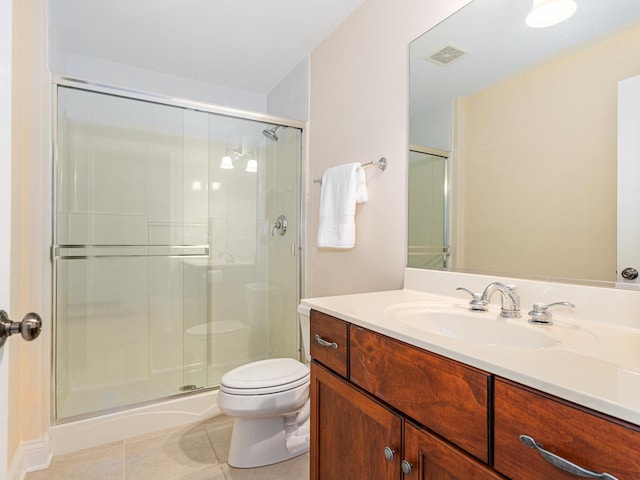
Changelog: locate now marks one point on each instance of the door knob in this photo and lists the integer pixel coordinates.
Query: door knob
(30, 327)
(629, 273)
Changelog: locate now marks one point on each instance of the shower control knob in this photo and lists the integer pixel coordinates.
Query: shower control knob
(30, 327)
(280, 227)
(629, 273)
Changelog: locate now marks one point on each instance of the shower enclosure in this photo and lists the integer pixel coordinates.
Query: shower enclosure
(428, 208)
(169, 266)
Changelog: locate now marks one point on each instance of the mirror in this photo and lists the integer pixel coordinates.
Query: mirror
(529, 118)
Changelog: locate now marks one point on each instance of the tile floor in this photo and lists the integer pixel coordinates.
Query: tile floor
(193, 452)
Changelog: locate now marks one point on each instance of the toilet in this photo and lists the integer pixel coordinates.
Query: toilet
(269, 402)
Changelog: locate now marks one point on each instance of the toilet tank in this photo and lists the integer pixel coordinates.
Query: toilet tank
(305, 328)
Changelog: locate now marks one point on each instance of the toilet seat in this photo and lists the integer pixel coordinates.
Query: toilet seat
(265, 377)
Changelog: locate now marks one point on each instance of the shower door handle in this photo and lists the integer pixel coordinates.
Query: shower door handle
(30, 327)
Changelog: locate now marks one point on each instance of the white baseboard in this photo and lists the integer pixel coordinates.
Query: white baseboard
(30, 457)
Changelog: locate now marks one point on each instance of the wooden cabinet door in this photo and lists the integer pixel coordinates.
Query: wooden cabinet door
(433, 459)
(447, 397)
(350, 431)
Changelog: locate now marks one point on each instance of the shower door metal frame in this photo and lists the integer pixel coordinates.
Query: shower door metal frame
(132, 94)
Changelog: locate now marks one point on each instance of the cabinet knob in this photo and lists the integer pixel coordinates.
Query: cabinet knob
(389, 453)
(406, 468)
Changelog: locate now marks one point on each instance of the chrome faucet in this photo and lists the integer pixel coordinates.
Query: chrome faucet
(510, 299)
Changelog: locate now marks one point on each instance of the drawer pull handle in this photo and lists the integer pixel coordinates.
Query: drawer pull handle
(561, 463)
(324, 343)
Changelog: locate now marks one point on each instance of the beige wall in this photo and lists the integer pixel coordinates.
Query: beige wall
(30, 274)
(359, 112)
(519, 169)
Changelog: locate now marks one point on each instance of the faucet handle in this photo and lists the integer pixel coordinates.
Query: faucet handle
(539, 314)
(476, 304)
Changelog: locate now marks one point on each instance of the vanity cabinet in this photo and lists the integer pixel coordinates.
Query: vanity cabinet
(380, 406)
(586, 438)
(363, 395)
(355, 436)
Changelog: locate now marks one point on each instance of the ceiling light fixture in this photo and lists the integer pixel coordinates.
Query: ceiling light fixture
(546, 13)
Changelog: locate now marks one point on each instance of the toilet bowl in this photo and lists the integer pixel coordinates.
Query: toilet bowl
(269, 402)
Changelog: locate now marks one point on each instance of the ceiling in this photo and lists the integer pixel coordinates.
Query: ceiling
(499, 44)
(249, 45)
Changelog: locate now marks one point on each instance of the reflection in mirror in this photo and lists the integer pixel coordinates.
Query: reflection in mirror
(530, 116)
(428, 206)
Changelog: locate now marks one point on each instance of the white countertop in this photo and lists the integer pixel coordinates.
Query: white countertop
(599, 369)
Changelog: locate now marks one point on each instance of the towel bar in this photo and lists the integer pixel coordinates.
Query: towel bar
(382, 166)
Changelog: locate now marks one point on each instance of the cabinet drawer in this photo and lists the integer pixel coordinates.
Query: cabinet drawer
(588, 439)
(443, 395)
(326, 329)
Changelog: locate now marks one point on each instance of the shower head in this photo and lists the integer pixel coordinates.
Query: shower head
(271, 133)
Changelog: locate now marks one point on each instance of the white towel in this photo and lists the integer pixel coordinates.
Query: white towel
(342, 187)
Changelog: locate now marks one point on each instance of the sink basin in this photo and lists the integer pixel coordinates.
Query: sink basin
(487, 328)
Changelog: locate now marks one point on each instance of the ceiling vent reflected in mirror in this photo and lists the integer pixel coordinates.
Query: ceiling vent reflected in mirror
(447, 55)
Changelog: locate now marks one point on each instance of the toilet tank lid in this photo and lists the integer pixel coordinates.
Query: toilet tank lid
(265, 373)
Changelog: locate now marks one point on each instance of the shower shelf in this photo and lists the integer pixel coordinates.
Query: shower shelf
(382, 166)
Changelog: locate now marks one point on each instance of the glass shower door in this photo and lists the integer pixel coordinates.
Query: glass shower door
(168, 269)
(253, 270)
(130, 223)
